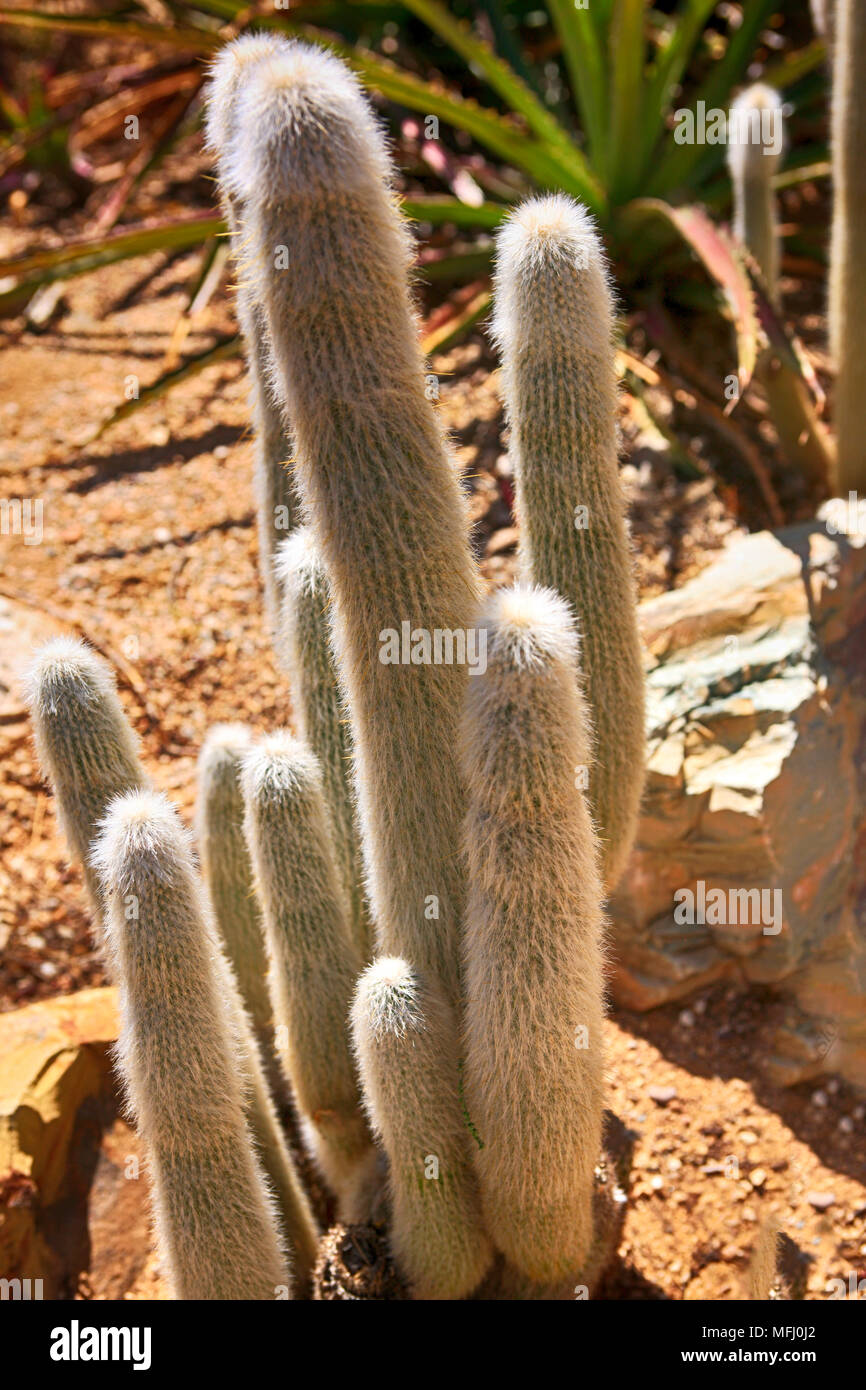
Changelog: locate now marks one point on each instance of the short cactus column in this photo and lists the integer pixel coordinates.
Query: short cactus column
(754, 153)
(85, 745)
(227, 870)
(314, 961)
(755, 145)
(533, 940)
(404, 1033)
(215, 1220)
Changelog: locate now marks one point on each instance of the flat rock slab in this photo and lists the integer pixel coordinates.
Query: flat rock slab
(73, 1190)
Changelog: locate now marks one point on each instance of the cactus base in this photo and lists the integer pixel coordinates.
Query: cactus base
(355, 1266)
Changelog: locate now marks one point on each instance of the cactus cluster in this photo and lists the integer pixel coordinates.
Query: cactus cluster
(403, 900)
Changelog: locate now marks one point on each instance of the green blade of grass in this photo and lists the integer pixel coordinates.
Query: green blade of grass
(437, 211)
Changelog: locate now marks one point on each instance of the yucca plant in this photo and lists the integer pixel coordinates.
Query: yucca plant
(602, 130)
(451, 1092)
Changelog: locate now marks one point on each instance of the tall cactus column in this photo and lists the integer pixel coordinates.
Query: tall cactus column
(848, 248)
(310, 168)
(755, 143)
(554, 326)
(754, 155)
(276, 501)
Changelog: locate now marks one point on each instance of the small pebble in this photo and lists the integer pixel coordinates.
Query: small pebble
(758, 1177)
(821, 1201)
(687, 1019)
(662, 1094)
(846, 1124)
(819, 1098)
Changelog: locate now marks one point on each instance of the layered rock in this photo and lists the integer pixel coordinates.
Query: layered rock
(756, 718)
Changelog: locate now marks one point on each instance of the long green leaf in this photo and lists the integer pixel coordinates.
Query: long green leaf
(78, 257)
(504, 81)
(486, 125)
(722, 261)
(626, 90)
(508, 44)
(463, 265)
(439, 210)
(670, 65)
(225, 348)
(584, 60)
(716, 91)
(192, 40)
